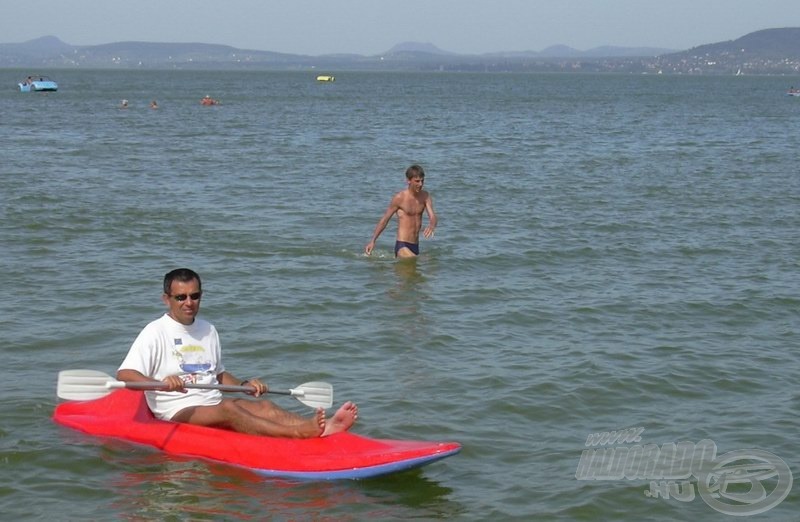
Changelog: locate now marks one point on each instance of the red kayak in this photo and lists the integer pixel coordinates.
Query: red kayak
(124, 414)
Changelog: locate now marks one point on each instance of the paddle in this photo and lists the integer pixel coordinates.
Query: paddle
(86, 385)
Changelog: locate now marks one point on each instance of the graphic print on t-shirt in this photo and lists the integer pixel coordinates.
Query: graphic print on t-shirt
(192, 358)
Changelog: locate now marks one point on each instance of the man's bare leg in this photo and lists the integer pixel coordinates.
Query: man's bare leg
(269, 410)
(255, 418)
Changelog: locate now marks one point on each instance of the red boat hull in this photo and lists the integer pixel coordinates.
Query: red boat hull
(124, 414)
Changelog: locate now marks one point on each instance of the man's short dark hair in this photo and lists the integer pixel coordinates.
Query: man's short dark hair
(183, 275)
(415, 171)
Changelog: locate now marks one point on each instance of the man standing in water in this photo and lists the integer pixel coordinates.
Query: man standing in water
(180, 348)
(408, 204)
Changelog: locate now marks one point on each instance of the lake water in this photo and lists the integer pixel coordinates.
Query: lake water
(613, 252)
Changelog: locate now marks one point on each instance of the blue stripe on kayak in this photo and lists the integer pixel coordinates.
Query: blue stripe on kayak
(358, 473)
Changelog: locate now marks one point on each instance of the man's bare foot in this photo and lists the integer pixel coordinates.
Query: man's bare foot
(342, 420)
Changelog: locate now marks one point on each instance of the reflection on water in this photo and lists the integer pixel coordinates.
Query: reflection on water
(413, 489)
(409, 292)
(161, 487)
(407, 270)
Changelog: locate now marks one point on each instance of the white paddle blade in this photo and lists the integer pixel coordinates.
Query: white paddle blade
(83, 385)
(315, 394)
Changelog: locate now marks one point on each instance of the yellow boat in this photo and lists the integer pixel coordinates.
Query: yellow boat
(324, 78)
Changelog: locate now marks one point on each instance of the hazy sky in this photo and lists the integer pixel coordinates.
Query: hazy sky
(371, 27)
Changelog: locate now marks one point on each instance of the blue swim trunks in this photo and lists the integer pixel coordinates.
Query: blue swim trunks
(414, 247)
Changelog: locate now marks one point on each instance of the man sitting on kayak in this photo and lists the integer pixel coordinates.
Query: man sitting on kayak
(179, 348)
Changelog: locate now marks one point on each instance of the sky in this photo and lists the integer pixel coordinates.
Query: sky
(371, 27)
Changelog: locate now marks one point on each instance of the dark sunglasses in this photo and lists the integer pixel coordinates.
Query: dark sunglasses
(182, 297)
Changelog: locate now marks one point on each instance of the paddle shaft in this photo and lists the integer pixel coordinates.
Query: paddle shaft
(157, 385)
(84, 385)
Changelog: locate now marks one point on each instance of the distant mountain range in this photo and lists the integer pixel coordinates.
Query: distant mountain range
(757, 52)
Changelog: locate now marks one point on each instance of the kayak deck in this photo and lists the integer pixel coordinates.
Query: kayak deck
(124, 414)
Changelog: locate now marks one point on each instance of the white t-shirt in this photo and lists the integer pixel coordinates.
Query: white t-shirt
(166, 347)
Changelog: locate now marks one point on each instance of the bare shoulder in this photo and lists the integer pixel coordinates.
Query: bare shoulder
(401, 196)
(398, 198)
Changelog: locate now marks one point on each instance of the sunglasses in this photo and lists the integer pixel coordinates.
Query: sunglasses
(182, 297)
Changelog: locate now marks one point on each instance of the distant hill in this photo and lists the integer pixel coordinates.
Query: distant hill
(770, 51)
(45, 44)
(49, 51)
(31, 51)
(765, 44)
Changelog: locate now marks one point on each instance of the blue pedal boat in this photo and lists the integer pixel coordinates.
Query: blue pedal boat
(42, 84)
